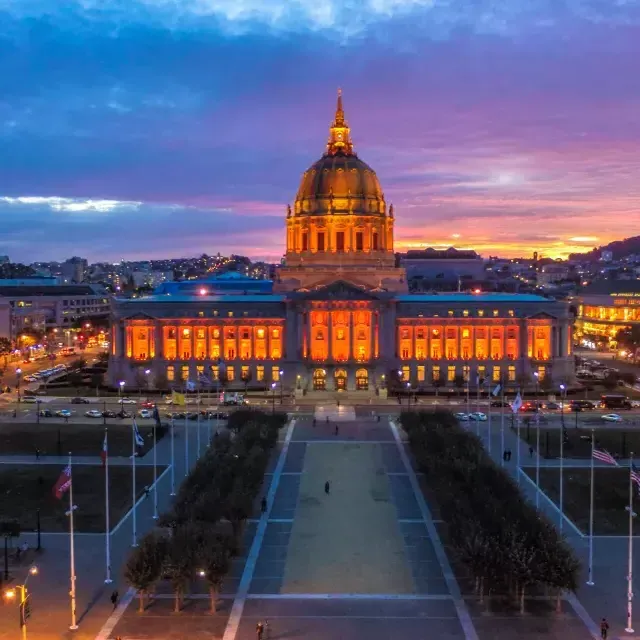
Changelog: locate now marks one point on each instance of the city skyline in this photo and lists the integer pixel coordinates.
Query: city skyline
(148, 129)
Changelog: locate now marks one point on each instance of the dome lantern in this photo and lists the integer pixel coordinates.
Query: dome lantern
(339, 133)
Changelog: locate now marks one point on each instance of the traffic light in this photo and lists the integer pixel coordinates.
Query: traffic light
(25, 610)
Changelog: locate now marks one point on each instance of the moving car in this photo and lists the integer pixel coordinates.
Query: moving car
(612, 417)
(478, 416)
(462, 416)
(552, 406)
(126, 401)
(147, 405)
(109, 414)
(216, 415)
(29, 399)
(145, 413)
(123, 414)
(79, 401)
(45, 413)
(63, 413)
(500, 403)
(93, 413)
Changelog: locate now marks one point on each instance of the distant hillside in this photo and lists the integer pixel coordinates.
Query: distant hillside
(619, 248)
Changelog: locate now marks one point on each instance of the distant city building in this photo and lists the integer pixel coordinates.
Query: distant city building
(30, 281)
(150, 278)
(551, 274)
(4, 260)
(40, 308)
(606, 256)
(606, 307)
(73, 270)
(338, 315)
(445, 266)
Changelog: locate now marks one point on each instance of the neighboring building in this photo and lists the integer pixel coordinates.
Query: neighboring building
(552, 274)
(606, 307)
(30, 281)
(150, 278)
(4, 260)
(73, 270)
(40, 308)
(448, 266)
(606, 256)
(339, 315)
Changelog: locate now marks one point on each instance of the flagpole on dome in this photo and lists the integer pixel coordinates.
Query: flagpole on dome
(107, 526)
(72, 551)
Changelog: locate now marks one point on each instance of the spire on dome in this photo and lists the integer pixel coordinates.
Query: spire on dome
(339, 138)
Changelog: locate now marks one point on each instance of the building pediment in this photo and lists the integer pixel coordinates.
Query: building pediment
(338, 290)
(542, 315)
(138, 315)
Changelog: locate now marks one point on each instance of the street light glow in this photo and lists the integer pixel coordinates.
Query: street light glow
(33, 570)
(10, 594)
(147, 371)
(121, 383)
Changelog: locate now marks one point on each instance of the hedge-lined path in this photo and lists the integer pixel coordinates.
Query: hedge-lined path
(608, 596)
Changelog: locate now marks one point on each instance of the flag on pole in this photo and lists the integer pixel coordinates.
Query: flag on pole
(63, 484)
(105, 451)
(516, 404)
(496, 391)
(136, 435)
(604, 456)
(191, 386)
(204, 379)
(635, 475)
(178, 399)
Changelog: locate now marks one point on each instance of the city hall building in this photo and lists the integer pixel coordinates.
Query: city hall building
(338, 316)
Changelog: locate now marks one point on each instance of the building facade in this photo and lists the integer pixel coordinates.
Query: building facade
(338, 315)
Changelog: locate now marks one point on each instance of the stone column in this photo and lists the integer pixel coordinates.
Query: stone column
(329, 335)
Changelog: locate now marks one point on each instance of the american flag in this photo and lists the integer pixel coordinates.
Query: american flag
(635, 475)
(604, 456)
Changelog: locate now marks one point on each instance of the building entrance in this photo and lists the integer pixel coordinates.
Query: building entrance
(319, 380)
(362, 380)
(340, 377)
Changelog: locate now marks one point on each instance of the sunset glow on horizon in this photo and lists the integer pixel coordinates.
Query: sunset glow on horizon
(190, 124)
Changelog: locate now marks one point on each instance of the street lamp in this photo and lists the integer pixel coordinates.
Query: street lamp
(563, 391)
(273, 397)
(25, 605)
(146, 373)
(120, 390)
(18, 375)
(281, 372)
(408, 396)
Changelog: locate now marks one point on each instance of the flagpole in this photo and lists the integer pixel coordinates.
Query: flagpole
(591, 490)
(489, 396)
(173, 465)
(72, 553)
(477, 405)
(107, 527)
(156, 417)
(134, 542)
(502, 420)
(186, 434)
(198, 430)
(629, 628)
(561, 479)
(518, 421)
(537, 459)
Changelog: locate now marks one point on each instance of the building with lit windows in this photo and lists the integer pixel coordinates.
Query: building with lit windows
(604, 308)
(338, 316)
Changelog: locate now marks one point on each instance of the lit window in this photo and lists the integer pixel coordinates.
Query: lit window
(215, 312)
(465, 333)
(201, 314)
(275, 333)
(511, 312)
(495, 313)
(171, 373)
(421, 373)
(480, 313)
(259, 373)
(185, 333)
(451, 374)
(435, 373)
(230, 314)
(231, 374)
(465, 313)
(245, 313)
(406, 374)
(511, 373)
(275, 374)
(260, 333)
(450, 313)
(495, 375)
(216, 333)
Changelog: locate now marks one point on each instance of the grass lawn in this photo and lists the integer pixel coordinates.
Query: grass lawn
(618, 442)
(611, 496)
(25, 489)
(16, 438)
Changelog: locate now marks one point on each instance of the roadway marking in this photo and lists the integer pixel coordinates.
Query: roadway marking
(231, 630)
(272, 520)
(114, 618)
(450, 580)
(581, 612)
(346, 596)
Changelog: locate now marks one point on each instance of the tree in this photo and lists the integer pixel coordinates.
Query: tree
(223, 380)
(97, 379)
(611, 380)
(75, 379)
(180, 562)
(78, 363)
(160, 380)
(238, 508)
(144, 566)
(215, 561)
(629, 339)
(246, 378)
(459, 382)
(5, 346)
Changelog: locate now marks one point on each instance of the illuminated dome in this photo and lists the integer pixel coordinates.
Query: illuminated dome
(339, 183)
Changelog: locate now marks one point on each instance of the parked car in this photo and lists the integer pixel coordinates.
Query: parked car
(499, 403)
(478, 416)
(29, 399)
(109, 414)
(79, 401)
(145, 413)
(216, 415)
(612, 417)
(147, 405)
(45, 413)
(63, 413)
(93, 413)
(123, 414)
(462, 416)
(585, 405)
(176, 415)
(552, 406)
(126, 401)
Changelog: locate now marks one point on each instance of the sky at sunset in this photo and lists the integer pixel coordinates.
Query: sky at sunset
(133, 129)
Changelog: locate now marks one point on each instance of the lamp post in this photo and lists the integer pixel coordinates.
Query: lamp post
(281, 373)
(146, 373)
(400, 376)
(25, 605)
(408, 396)
(18, 376)
(120, 390)
(563, 393)
(537, 377)
(273, 397)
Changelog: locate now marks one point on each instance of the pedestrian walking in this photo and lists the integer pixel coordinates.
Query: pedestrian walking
(314, 422)
(37, 453)
(531, 452)
(260, 630)
(338, 403)
(15, 413)
(115, 596)
(504, 455)
(263, 505)
(337, 430)
(509, 455)
(267, 630)
(604, 629)
(327, 487)
(146, 492)
(66, 419)
(327, 420)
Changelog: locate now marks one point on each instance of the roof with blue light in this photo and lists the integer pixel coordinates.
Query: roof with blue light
(472, 297)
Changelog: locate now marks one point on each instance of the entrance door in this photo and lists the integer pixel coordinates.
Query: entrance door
(341, 379)
(319, 380)
(362, 380)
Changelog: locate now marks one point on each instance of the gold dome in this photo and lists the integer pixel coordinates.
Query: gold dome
(340, 183)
